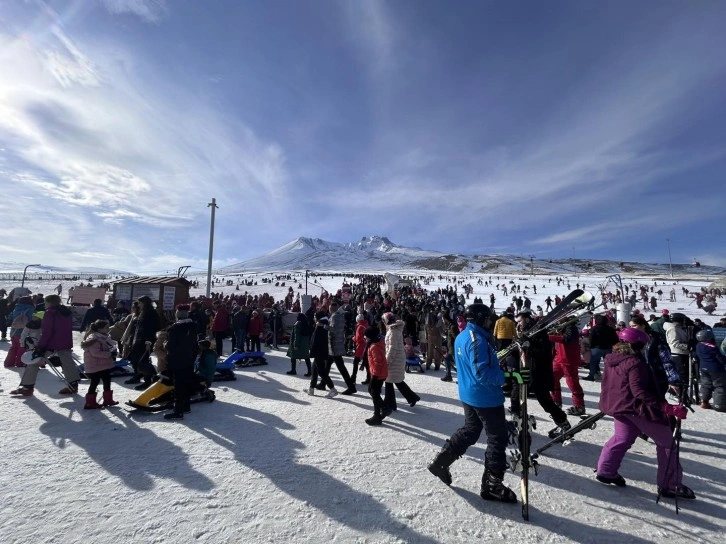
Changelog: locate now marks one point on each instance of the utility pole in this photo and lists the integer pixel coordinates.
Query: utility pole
(306, 281)
(22, 283)
(670, 260)
(213, 205)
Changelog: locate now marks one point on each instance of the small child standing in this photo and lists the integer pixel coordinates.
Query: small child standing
(98, 361)
(376, 354)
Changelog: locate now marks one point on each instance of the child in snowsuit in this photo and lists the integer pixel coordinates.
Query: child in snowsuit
(375, 353)
(630, 396)
(98, 361)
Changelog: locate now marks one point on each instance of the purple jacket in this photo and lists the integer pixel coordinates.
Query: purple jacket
(56, 329)
(628, 388)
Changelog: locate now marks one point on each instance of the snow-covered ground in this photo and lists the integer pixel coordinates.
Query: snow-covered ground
(267, 463)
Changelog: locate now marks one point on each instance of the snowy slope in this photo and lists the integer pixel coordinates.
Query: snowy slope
(378, 253)
(267, 463)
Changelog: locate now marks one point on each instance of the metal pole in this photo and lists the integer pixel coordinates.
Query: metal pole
(306, 282)
(22, 283)
(213, 205)
(670, 260)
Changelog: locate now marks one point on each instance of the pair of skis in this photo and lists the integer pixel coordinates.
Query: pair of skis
(589, 422)
(522, 425)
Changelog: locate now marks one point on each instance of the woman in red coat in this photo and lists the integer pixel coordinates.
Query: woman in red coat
(375, 353)
(254, 330)
(220, 326)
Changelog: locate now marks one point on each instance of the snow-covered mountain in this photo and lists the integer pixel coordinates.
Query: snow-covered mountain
(378, 253)
(17, 268)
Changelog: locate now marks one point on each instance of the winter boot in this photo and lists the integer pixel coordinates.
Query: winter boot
(293, 370)
(108, 399)
(375, 420)
(617, 480)
(561, 429)
(23, 391)
(493, 488)
(136, 378)
(447, 378)
(682, 492)
(439, 467)
(71, 389)
(576, 411)
(91, 402)
(414, 400)
(174, 415)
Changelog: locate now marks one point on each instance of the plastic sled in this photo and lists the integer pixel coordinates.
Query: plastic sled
(119, 368)
(225, 371)
(160, 396)
(242, 359)
(414, 363)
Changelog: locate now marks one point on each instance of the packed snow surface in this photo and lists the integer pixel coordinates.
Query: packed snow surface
(267, 463)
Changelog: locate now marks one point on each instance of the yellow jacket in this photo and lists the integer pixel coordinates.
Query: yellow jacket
(504, 328)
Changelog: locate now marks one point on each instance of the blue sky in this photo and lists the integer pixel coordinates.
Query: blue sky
(532, 128)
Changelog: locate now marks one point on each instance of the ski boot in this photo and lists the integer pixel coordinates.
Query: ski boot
(561, 429)
(439, 467)
(493, 488)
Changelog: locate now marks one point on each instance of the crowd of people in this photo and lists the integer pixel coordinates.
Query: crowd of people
(638, 363)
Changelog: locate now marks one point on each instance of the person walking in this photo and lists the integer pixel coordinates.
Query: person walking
(336, 338)
(299, 344)
(396, 358)
(375, 353)
(480, 391)
(629, 395)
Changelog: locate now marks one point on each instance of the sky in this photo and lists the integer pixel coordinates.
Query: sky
(557, 129)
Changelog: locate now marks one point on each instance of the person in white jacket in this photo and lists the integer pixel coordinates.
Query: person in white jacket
(396, 357)
(677, 338)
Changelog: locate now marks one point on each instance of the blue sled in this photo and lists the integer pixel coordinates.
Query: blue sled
(119, 368)
(414, 364)
(224, 370)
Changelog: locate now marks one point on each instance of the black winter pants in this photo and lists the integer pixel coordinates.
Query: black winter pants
(98, 377)
(493, 421)
(374, 389)
(340, 365)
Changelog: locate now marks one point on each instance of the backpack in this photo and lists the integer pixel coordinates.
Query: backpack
(20, 321)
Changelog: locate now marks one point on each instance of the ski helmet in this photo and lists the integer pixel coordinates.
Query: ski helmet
(705, 335)
(478, 313)
(632, 335)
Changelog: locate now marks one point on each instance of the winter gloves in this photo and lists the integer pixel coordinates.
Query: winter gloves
(675, 410)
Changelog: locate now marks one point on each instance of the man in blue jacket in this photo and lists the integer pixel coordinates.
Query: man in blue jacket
(480, 390)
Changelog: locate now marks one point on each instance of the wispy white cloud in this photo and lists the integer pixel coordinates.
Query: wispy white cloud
(151, 11)
(81, 128)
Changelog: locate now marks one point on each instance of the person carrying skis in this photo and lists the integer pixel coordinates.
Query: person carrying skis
(480, 391)
(629, 394)
(539, 352)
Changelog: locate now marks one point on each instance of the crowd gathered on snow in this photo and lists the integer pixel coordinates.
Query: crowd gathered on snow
(643, 356)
